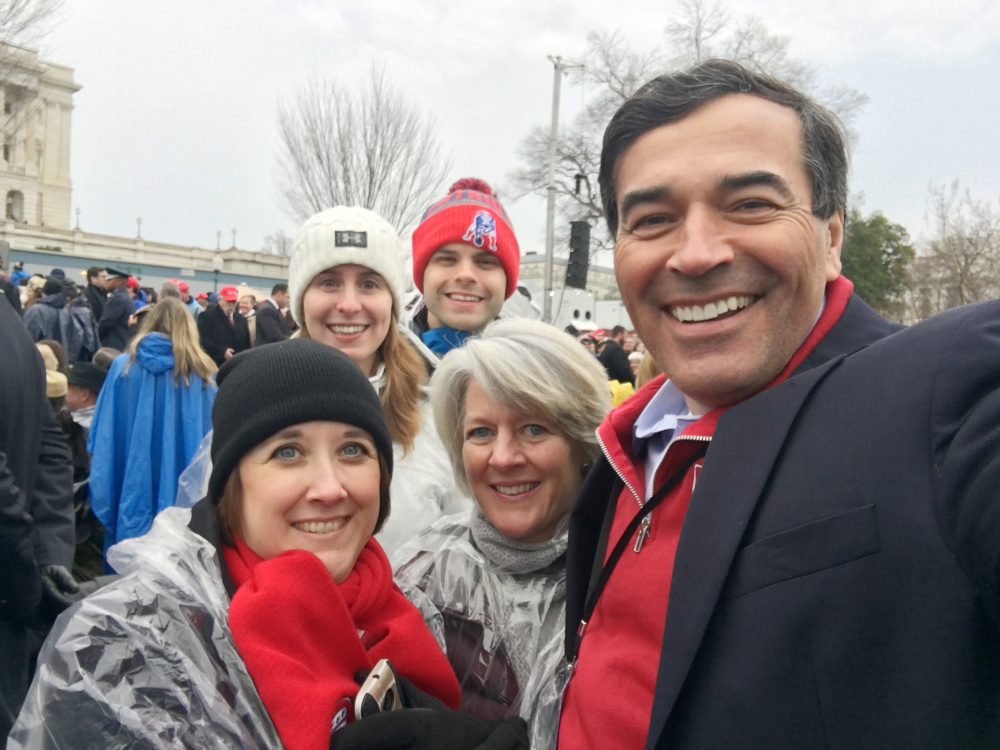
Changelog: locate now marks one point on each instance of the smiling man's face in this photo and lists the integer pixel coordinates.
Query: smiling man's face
(464, 287)
(720, 261)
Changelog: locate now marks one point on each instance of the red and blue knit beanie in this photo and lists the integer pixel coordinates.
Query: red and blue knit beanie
(472, 215)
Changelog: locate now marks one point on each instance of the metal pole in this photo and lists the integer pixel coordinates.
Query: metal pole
(550, 212)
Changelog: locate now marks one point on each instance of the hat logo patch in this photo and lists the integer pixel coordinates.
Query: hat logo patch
(484, 225)
(351, 239)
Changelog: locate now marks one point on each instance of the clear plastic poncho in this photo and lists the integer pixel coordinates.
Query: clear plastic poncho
(498, 608)
(147, 661)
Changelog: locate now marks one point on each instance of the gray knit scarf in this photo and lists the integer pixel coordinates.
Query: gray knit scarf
(513, 556)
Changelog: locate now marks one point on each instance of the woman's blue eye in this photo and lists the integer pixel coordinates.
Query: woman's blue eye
(535, 430)
(286, 452)
(354, 450)
(478, 433)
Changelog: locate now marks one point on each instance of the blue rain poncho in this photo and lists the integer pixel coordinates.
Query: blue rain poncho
(146, 428)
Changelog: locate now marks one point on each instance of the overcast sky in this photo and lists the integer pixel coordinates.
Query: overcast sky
(176, 120)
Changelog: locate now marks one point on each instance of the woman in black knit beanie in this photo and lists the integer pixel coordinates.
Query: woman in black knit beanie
(242, 622)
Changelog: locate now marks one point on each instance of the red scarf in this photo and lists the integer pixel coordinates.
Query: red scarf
(303, 637)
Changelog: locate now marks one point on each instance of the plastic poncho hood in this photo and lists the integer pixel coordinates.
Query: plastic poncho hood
(147, 661)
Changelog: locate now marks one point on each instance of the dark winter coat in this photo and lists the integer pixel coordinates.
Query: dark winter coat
(113, 323)
(615, 361)
(49, 319)
(11, 294)
(82, 338)
(271, 324)
(218, 334)
(96, 298)
(36, 503)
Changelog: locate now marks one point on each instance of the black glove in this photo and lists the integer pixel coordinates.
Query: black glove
(426, 722)
(424, 728)
(58, 588)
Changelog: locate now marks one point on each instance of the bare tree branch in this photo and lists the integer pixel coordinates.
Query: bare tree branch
(961, 264)
(613, 71)
(370, 149)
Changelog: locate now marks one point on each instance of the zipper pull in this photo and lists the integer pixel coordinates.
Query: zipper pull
(642, 534)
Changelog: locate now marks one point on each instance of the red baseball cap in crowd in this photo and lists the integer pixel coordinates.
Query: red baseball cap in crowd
(229, 293)
(182, 285)
(133, 282)
(202, 295)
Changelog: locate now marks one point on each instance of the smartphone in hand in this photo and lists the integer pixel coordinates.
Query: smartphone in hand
(378, 693)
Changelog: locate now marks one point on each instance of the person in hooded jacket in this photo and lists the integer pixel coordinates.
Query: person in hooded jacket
(518, 407)
(48, 318)
(152, 413)
(346, 289)
(244, 621)
(82, 339)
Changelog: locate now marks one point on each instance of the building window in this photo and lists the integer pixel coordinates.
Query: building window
(15, 205)
(8, 150)
(39, 212)
(38, 154)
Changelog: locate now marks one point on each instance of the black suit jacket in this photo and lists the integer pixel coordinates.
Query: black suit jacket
(615, 362)
(837, 582)
(217, 335)
(271, 324)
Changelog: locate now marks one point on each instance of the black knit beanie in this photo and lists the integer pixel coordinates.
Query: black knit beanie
(264, 390)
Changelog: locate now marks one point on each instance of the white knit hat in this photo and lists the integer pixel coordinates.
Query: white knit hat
(345, 234)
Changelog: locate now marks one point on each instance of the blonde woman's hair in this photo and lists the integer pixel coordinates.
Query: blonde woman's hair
(529, 367)
(171, 317)
(647, 370)
(405, 372)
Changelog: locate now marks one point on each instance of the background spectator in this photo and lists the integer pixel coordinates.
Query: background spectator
(153, 411)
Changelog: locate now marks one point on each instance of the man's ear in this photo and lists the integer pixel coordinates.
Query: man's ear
(834, 244)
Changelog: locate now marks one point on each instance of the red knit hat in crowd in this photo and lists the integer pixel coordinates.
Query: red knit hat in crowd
(472, 215)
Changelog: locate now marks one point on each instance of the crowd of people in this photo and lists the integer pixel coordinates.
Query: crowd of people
(766, 518)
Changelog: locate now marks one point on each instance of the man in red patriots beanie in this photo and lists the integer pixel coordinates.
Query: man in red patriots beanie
(465, 262)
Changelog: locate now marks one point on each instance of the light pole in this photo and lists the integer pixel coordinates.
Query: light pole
(216, 267)
(138, 228)
(234, 240)
(561, 67)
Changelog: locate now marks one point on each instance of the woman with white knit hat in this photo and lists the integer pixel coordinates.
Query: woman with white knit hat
(346, 284)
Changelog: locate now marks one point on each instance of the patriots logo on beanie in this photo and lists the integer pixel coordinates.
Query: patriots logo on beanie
(483, 225)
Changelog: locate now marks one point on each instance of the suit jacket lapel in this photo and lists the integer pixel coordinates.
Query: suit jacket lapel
(747, 442)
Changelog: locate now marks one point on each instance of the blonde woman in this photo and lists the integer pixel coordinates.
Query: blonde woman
(153, 411)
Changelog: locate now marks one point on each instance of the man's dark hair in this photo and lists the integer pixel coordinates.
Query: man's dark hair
(278, 289)
(93, 271)
(669, 98)
(617, 331)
